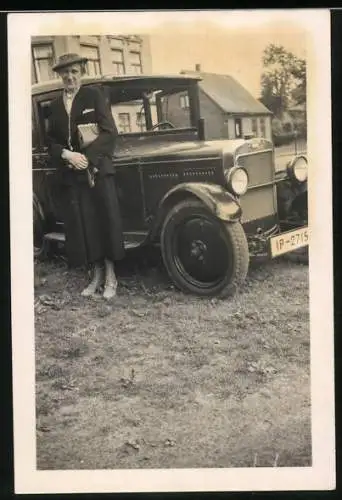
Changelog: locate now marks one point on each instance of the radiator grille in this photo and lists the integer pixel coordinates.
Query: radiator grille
(258, 203)
(259, 166)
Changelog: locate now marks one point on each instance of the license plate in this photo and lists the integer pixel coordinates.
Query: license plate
(289, 241)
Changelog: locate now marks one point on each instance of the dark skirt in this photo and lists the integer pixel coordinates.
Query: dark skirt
(92, 220)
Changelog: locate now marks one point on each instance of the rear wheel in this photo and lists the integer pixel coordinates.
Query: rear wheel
(202, 254)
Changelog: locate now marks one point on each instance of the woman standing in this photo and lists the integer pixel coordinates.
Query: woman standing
(91, 210)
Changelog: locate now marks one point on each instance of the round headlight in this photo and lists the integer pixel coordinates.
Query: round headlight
(238, 180)
(298, 169)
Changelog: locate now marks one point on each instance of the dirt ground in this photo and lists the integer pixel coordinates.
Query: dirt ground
(160, 379)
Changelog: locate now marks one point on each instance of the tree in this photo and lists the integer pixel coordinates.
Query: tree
(299, 74)
(283, 81)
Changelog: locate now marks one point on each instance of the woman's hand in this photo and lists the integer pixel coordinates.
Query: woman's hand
(75, 159)
(79, 161)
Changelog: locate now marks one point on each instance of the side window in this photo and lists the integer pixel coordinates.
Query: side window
(34, 130)
(43, 113)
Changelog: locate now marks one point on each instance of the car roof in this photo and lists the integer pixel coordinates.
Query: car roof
(51, 85)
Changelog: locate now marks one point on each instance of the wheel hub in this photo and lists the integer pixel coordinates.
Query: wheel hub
(200, 252)
(198, 249)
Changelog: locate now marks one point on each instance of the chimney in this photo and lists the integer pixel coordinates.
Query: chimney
(198, 68)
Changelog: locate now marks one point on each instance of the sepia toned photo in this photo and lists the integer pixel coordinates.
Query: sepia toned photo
(173, 252)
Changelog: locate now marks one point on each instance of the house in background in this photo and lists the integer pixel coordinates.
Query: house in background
(229, 110)
(113, 54)
(298, 115)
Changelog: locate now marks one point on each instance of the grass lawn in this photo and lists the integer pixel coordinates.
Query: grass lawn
(159, 379)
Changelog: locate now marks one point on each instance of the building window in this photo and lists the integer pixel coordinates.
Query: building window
(93, 66)
(134, 46)
(238, 128)
(255, 127)
(118, 61)
(124, 123)
(262, 127)
(141, 123)
(43, 58)
(184, 101)
(135, 61)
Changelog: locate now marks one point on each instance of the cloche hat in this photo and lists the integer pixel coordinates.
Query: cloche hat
(68, 60)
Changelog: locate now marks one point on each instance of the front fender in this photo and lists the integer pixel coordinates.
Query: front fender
(217, 199)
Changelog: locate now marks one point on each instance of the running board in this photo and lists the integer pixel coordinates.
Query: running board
(132, 240)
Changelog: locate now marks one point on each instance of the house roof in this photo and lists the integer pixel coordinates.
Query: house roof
(229, 94)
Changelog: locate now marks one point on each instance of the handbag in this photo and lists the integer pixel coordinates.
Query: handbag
(87, 133)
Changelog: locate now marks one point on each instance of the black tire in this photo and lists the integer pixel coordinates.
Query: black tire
(202, 254)
(39, 246)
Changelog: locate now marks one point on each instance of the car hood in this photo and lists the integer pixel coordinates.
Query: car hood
(166, 150)
(143, 150)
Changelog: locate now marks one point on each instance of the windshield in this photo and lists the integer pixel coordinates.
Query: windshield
(130, 116)
(140, 110)
(175, 107)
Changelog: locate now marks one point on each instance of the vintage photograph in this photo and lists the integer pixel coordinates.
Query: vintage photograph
(170, 237)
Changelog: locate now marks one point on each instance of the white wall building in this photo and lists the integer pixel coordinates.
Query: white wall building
(112, 54)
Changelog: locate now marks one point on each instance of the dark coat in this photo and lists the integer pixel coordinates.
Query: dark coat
(91, 215)
(89, 106)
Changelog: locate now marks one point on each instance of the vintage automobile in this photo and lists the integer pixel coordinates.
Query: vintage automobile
(211, 205)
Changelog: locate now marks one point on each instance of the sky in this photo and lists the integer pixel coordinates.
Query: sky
(218, 49)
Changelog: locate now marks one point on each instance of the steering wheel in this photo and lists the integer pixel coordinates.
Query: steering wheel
(163, 125)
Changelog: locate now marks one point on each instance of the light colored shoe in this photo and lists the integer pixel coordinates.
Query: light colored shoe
(89, 290)
(111, 283)
(95, 283)
(110, 290)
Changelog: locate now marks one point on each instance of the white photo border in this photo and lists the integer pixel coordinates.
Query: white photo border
(321, 476)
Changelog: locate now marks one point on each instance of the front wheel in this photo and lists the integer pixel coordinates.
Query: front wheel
(202, 254)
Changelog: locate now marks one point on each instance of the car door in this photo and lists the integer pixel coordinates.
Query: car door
(45, 185)
(128, 119)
